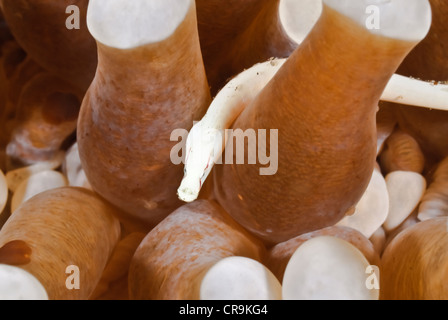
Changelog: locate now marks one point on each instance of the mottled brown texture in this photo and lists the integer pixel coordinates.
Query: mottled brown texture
(116, 271)
(409, 222)
(428, 61)
(434, 203)
(15, 253)
(236, 34)
(138, 97)
(428, 127)
(402, 153)
(39, 27)
(279, 255)
(22, 75)
(15, 78)
(5, 33)
(63, 227)
(414, 264)
(173, 258)
(61, 107)
(47, 114)
(386, 122)
(323, 101)
(12, 56)
(16, 70)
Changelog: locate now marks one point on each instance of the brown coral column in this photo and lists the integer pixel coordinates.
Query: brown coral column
(172, 260)
(138, 97)
(414, 264)
(323, 102)
(237, 34)
(57, 229)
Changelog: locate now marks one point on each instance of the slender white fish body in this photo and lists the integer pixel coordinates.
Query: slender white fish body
(207, 139)
(417, 93)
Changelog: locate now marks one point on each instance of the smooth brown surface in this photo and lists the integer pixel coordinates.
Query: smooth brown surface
(12, 56)
(323, 101)
(64, 227)
(39, 27)
(15, 253)
(5, 33)
(236, 34)
(435, 201)
(173, 258)
(46, 115)
(138, 97)
(114, 280)
(409, 222)
(20, 76)
(279, 255)
(402, 153)
(428, 61)
(386, 122)
(16, 70)
(414, 264)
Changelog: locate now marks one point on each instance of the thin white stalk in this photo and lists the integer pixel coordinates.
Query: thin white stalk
(206, 140)
(417, 93)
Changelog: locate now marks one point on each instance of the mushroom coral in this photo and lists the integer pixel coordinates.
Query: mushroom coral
(327, 133)
(173, 259)
(59, 228)
(150, 81)
(237, 34)
(320, 88)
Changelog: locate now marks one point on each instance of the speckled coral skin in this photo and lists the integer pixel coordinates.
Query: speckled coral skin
(138, 97)
(173, 258)
(324, 110)
(413, 266)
